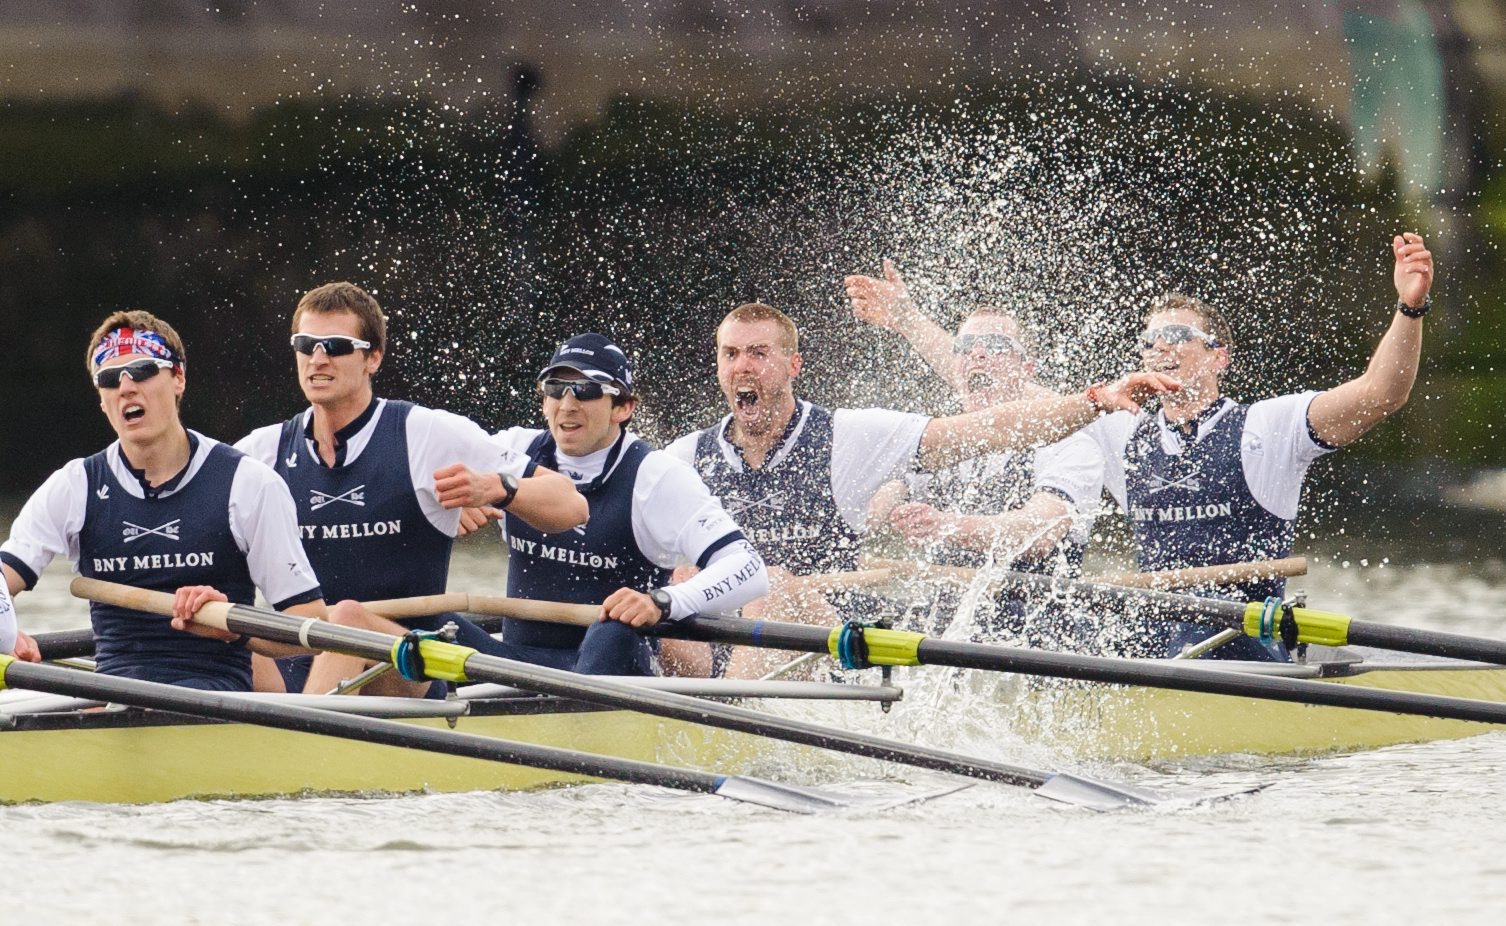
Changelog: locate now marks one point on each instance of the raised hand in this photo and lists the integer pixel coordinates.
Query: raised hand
(884, 302)
(1414, 269)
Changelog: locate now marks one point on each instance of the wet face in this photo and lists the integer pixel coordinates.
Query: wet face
(583, 427)
(1192, 362)
(757, 374)
(992, 371)
(333, 381)
(145, 411)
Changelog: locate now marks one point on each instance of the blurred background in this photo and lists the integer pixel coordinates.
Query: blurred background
(504, 174)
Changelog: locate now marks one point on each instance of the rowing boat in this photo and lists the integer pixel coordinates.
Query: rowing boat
(1144, 724)
(65, 749)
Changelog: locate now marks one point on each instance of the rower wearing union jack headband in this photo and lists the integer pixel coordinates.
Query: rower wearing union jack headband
(379, 485)
(1208, 480)
(163, 508)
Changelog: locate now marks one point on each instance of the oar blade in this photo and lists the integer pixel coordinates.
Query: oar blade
(796, 799)
(1103, 795)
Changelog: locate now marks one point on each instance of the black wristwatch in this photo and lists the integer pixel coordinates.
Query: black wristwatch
(661, 598)
(1420, 311)
(509, 489)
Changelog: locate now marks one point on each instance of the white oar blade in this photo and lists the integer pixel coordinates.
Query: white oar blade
(796, 799)
(1101, 795)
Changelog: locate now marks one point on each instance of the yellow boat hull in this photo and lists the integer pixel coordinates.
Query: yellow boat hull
(151, 763)
(1151, 725)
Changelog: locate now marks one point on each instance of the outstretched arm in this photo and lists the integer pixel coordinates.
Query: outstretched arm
(1032, 422)
(1344, 413)
(885, 302)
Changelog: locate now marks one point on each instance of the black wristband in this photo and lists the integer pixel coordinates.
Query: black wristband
(1420, 311)
(509, 489)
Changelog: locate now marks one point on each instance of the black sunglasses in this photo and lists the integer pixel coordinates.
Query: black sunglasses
(584, 390)
(335, 345)
(138, 370)
(991, 343)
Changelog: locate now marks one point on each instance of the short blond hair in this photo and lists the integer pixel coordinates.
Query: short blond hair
(789, 335)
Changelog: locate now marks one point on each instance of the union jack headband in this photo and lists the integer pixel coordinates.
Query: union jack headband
(123, 341)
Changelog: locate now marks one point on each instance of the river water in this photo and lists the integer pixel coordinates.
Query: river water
(1392, 835)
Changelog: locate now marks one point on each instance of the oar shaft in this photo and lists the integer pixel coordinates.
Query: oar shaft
(522, 608)
(1230, 574)
(65, 644)
(284, 716)
(1156, 673)
(1426, 642)
(476, 666)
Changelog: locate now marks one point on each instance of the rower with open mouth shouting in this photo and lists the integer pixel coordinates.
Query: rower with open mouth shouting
(380, 484)
(800, 477)
(163, 508)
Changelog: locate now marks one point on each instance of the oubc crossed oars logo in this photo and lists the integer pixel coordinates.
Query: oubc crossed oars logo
(1190, 482)
(356, 496)
(134, 532)
(774, 501)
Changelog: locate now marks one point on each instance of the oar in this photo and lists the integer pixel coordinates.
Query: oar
(284, 716)
(873, 647)
(458, 663)
(65, 644)
(1291, 625)
(1225, 574)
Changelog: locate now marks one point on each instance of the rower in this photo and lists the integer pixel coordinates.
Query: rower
(1025, 511)
(1208, 480)
(379, 485)
(801, 476)
(163, 508)
(649, 514)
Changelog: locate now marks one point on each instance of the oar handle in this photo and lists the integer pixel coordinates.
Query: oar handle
(1226, 574)
(554, 612)
(212, 614)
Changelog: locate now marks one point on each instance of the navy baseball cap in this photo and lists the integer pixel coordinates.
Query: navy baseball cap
(594, 355)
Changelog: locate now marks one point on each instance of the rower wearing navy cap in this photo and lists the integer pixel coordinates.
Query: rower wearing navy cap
(649, 514)
(1208, 480)
(801, 476)
(168, 509)
(379, 485)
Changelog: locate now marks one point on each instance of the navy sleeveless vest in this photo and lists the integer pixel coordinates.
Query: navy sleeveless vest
(786, 510)
(991, 485)
(585, 564)
(362, 528)
(1196, 509)
(162, 544)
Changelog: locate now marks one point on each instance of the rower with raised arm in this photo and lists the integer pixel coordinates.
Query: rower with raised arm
(800, 477)
(649, 514)
(1209, 480)
(164, 508)
(380, 485)
(1030, 511)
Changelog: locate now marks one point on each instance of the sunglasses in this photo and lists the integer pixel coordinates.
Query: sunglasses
(584, 390)
(991, 344)
(138, 370)
(335, 345)
(1172, 335)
